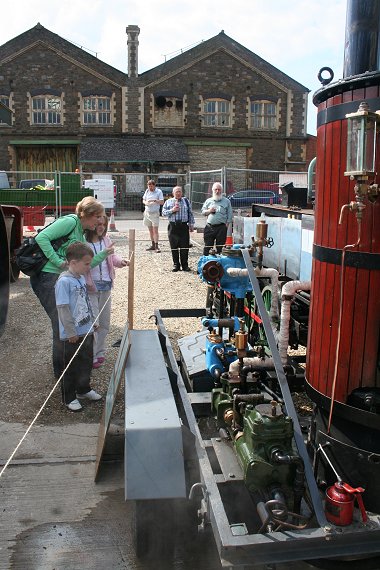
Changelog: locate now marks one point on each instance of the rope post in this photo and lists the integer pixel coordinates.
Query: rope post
(131, 276)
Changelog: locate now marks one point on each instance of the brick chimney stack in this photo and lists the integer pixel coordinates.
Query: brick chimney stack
(133, 44)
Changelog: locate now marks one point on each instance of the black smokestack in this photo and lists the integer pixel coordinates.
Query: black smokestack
(361, 53)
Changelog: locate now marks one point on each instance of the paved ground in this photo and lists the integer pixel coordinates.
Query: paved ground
(55, 517)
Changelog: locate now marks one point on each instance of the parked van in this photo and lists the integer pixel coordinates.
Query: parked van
(4, 182)
(104, 190)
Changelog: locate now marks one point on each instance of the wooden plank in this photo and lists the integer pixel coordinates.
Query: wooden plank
(112, 392)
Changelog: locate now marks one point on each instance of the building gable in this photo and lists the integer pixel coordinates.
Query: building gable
(209, 55)
(60, 54)
(38, 35)
(186, 59)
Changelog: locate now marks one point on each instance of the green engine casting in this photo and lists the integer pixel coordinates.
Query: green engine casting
(258, 431)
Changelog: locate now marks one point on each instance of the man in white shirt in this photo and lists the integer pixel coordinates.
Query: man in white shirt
(152, 200)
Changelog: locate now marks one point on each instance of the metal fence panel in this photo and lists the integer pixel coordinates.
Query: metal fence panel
(57, 193)
(41, 193)
(200, 184)
(233, 180)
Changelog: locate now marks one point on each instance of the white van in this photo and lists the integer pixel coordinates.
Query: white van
(4, 182)
(104, 190)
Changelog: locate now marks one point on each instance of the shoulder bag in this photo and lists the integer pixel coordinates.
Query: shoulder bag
(29, 256)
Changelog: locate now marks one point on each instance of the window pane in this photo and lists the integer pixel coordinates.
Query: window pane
(216, 113)
(54, 103)
(38, 103)
(39, 118)
(99, 107)
(104, 118)
(263, 115)
(210, 106)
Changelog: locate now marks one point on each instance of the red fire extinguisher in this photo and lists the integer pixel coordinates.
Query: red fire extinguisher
(339, 506)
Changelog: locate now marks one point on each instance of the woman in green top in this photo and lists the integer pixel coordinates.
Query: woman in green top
(87, 214)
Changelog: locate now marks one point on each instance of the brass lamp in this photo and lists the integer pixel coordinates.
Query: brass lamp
(361, 142)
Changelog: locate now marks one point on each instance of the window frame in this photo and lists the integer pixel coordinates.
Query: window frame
(217, 112)
(168, 114)
(96, 111)
(7, 101)
(42, 107)
(263, 115)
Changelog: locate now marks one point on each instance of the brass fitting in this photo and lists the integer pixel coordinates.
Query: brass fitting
(228, 416)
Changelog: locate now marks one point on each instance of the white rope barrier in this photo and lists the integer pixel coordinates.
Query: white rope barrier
(71, 360)
(49, 395)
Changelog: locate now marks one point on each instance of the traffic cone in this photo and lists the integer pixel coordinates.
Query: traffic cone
(112, 226)
(229, 238)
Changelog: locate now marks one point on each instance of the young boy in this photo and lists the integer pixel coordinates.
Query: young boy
(75, 321)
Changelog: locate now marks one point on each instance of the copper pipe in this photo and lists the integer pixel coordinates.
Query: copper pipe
(340, 319)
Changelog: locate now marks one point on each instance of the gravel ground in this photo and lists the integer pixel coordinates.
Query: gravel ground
(26, 378)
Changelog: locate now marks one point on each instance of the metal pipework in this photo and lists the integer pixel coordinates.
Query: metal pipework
(261, 240)
(241, 337)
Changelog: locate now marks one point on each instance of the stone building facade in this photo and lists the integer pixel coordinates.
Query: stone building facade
(219, 103)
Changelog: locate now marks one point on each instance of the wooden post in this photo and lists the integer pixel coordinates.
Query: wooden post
(131, 277)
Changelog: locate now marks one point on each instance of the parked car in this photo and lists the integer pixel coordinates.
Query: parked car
(40, 182)
(245, 198)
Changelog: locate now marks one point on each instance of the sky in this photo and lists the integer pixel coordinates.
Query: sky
(299, 37)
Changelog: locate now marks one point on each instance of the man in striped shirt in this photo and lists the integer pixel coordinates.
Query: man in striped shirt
(181, 221)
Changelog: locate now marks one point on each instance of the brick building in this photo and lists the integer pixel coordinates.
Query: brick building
(216, 104)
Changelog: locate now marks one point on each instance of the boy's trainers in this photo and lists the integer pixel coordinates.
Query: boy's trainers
(91, 395)
(96, 363)
(74, 406)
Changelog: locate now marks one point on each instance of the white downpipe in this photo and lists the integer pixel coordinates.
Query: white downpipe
(263, 272)
(288, 290)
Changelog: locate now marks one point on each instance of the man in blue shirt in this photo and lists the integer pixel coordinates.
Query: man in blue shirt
(218, 210)
(181, 220)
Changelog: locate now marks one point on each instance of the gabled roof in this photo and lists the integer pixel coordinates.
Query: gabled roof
(38, 35)
(214, 44)
(133, 149)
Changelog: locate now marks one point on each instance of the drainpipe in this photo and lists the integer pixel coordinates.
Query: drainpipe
(287, 293)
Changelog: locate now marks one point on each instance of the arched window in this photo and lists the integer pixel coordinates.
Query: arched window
(216, 113)
(263, 115)
(46, 110)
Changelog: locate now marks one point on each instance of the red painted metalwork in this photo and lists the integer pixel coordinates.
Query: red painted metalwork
(359, 343)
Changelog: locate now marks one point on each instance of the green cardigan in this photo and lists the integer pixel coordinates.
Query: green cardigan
(61, 227)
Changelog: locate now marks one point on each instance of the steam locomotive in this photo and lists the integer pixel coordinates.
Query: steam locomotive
(272, 487)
